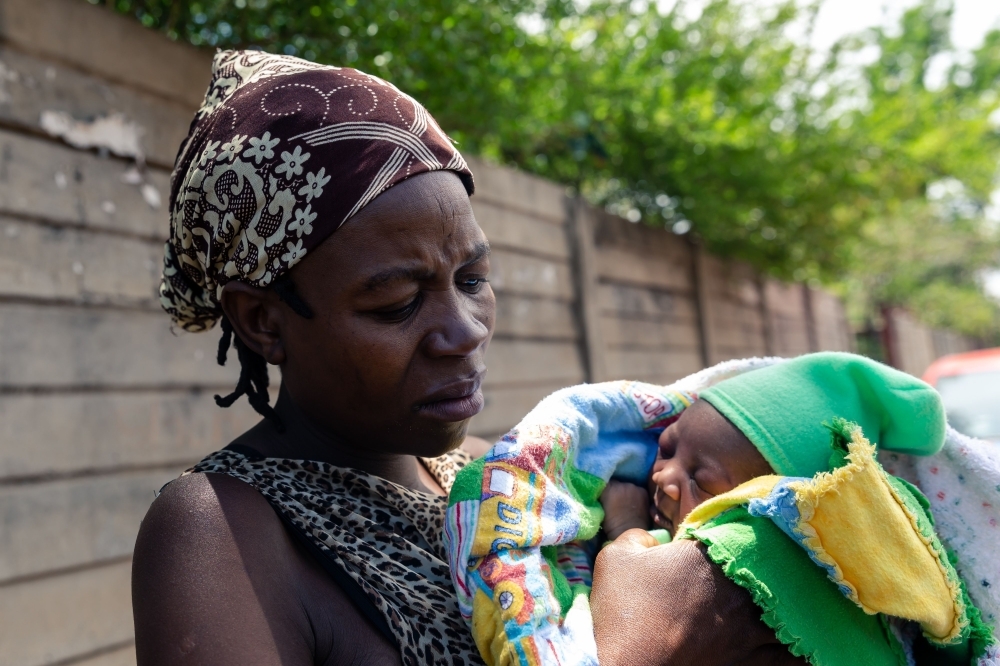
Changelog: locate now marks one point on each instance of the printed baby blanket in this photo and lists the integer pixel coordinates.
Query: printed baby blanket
(519, 518)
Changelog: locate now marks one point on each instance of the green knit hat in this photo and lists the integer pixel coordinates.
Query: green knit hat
(782, 409)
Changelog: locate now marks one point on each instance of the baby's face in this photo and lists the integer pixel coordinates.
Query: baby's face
(701, 455)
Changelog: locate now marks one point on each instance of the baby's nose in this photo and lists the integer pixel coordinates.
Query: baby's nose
(662, 480)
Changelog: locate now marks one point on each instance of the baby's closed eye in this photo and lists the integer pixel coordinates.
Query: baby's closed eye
(711, 482)
(698, 491)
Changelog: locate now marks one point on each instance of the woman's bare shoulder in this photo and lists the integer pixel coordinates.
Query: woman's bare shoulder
(198, 505)
(217, 579)
(203, 527)
(204, 576)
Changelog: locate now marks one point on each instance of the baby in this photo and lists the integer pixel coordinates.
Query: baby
(700, 455)
(527, 600)
(772, 421)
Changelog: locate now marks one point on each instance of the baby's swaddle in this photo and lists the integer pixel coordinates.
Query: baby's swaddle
(519, 518)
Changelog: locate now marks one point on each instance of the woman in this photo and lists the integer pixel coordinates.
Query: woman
(315, 537)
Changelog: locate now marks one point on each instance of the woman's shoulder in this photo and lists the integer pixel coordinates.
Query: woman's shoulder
(205, 530)
(206, 561)
(217, 579)
(204, 506)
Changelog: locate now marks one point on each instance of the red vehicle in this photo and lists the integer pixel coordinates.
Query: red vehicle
(969, 385)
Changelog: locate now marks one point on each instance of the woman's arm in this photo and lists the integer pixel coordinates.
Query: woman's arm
(670, 604)
(217, 580)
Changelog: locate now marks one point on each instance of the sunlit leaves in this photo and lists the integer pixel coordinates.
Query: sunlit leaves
(717, 125)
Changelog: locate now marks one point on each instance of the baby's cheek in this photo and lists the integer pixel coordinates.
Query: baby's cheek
(689, 502)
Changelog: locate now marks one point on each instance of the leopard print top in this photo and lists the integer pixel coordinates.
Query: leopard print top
(388, 539)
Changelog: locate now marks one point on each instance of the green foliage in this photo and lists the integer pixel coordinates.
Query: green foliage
(465, 61)
(926, 258)
(808, 166)
(696, 124)
(925, 242)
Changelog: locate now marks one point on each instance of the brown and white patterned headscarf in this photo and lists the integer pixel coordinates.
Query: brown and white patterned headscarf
(282, 152)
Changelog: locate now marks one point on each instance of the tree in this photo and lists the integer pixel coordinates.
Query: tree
(925, 241)
(720, 125)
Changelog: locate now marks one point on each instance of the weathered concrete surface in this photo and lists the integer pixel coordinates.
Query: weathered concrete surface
(33, 89)
(107, 45)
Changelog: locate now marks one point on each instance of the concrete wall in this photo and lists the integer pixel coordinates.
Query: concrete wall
(101, 403)
(656, 307)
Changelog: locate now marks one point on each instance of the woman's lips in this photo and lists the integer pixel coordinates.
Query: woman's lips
(455, 409)
(455, 403)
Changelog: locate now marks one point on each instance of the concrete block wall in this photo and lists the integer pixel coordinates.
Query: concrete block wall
(657, 307)
(101, 403)
(648, 311)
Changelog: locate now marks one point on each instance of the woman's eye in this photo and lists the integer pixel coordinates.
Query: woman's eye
(399, 314)
(472, 285)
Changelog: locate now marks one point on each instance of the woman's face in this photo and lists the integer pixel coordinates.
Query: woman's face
(394, 358)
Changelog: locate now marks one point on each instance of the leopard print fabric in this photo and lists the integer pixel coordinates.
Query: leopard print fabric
(387, 538)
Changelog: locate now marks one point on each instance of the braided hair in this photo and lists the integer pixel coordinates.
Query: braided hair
(253, 379)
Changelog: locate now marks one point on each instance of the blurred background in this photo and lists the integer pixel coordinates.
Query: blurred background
(665, 186)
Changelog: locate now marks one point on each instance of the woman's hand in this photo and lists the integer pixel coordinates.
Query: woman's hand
(671, 605)
(626, 506)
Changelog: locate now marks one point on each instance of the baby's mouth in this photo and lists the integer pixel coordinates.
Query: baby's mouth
(660, 520)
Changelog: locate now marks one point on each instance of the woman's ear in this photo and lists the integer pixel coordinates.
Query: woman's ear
(257, 318)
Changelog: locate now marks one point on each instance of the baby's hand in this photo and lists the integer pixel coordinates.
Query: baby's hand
(626, 506)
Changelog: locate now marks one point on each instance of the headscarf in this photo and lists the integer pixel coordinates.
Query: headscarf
(281, 153)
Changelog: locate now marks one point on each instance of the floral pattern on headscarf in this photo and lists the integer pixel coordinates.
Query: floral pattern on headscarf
(281, 153)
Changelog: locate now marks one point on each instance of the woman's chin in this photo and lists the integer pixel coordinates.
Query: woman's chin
(436, 438)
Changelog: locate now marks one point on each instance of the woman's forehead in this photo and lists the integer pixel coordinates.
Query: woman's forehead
(422, 225)
(438, 193)
(431, 209)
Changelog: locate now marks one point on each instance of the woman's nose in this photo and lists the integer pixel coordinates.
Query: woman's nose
(459, 328)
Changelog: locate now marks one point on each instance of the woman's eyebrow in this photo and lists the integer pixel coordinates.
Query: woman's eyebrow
(399, 273)
(479, 250)
(417, 273)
